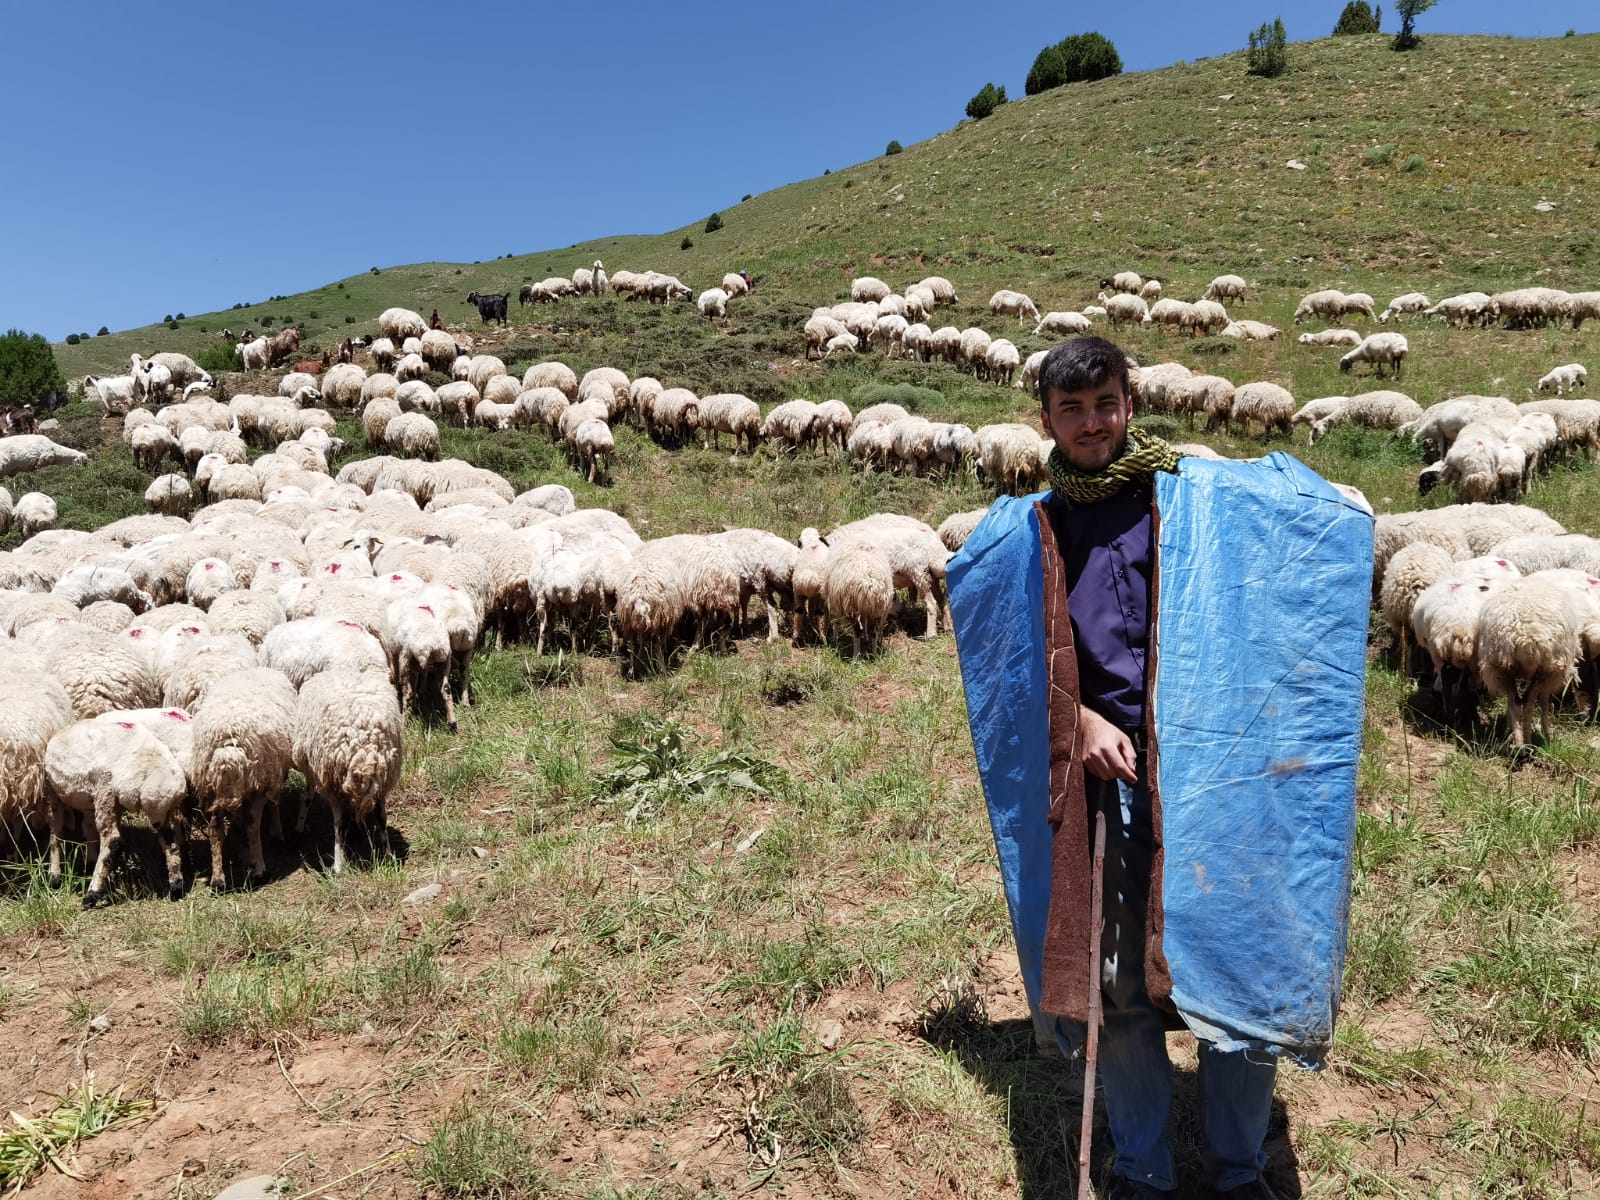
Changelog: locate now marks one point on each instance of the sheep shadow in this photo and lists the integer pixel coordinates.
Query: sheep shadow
(1043, 1095)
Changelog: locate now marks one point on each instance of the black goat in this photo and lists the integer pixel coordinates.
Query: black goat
(490, 308)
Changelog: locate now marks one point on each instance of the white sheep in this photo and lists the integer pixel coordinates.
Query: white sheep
(1330, 337)
(594, 446)
(858, 591)
(1012, 303)
(1225, 287)
(1128, 282)
(397, 324)
(1370, 410)
(33, 512)
(1468, 308)
(713, 302)
(649, 605)
(1122, 309)
(1572, 377)
(34, 451)
(1251, 331)
(1001, 361)
(1064, 323)
(1408, 303)
(413, 435)
(1444, 618)
(1530, 640)
(348, 743)
(34, 707)
(1266, 404)
(243, 736)
(864, 289)
(1381, 350)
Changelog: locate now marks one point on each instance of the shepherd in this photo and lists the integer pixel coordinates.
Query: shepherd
(1178, 645)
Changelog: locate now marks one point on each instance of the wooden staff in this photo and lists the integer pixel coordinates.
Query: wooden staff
(1092, 1044)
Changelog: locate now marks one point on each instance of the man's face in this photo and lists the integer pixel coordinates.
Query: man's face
(1090, 426)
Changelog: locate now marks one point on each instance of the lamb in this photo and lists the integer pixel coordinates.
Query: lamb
(819, 331)
(1530, 635)
(1331, 337)
(1225, 287)
(858, 590)
(713, 302)
(34, 451)
(1009, 302)
(1572, 377)
(243, 736)
(33, 511)
(1064, 323)
(1266, 404)
(1409, 303)
(348, 743)
(845, 341)
(1381, 350)
(1371, 410)
(99, 769)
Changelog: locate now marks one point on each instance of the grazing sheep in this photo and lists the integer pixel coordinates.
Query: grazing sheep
(1469, 308)
(858, 591)
(1225, 287)
(1066, 324)
(1381, 350)
(1264, 404)
(864, 289)
(713, 302)
(1327, 303)
(594, 446)
(101, 769)
(1122, 309)
(1370, 410)
(793, 422)
(649, 604)
(348, 743)
(1409, 303)
(398, 324)
(957, 527)
(1445, 619)
(1012, 303)
(413, 435)
(1124, 281)
(1001, 361)
(1530, 637)
(243, 736)
(33, 709)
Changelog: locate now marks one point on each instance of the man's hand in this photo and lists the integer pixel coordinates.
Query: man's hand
(1105, 751)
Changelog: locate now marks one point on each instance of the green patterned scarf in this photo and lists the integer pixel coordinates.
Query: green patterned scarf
(1142, 457)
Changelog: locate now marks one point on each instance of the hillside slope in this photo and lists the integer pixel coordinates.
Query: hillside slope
(1177, 173)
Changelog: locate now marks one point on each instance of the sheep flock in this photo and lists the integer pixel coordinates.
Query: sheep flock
(289, 599)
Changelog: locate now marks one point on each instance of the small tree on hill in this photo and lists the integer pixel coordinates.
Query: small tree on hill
(986, 101)
(893, 148)
(1409, 11)
(1074, 59)
(1358, 17)
(28, 369)
(1269, 50)
(713, 222)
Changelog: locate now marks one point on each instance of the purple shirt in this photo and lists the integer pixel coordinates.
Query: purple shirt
(1105, 550)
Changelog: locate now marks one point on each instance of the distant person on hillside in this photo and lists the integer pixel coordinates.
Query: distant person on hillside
(1226, 881)
(745, 275)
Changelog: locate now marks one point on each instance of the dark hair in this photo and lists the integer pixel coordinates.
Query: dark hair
(1079, 363)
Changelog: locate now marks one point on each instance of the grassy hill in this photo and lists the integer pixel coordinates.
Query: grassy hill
(1176, 173)
(810, 987)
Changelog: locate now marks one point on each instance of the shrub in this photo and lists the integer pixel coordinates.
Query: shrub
(1414, 163)
(1409, 11)
(217, 357)
(314, 314)
(1269, 50)
(166, 318)
(1379, 156)
(28, 367)
(1358, 17)
(72, 339)
(172, 324)
(687, 243)
(374, 271)
(349, 320)
(180, 317)
(744, 197)
(713, 222)
(103, 331)
(907, 395)
(1076, 59)
(986, 101)
(891, 148)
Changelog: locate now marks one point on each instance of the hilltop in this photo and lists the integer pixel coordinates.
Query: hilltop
(1177, 173)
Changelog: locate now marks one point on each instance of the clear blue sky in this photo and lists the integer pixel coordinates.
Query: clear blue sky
(180, 157)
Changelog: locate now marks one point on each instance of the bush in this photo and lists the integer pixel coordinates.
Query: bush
(1076, 59)
(1409, 11)
(893, 148)
(266, 322)
(72, 339)
(103, 331)
(1269, 50)
(986, 101)
(28, 367)
(1414, 163)
(374, 271)
(907, 395)
(349, 320)
(713, 222)
(1379, 156)
(180, 317)
(217, 357)
(687, 243)
(744, 197)
(166, 318)
(314, 314)
(172, 324)
(1358, 17)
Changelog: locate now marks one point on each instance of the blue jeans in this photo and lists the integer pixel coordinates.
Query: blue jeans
(1135, 1074)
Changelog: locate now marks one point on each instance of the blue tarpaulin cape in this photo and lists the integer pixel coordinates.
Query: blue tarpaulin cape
(1264, 573)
